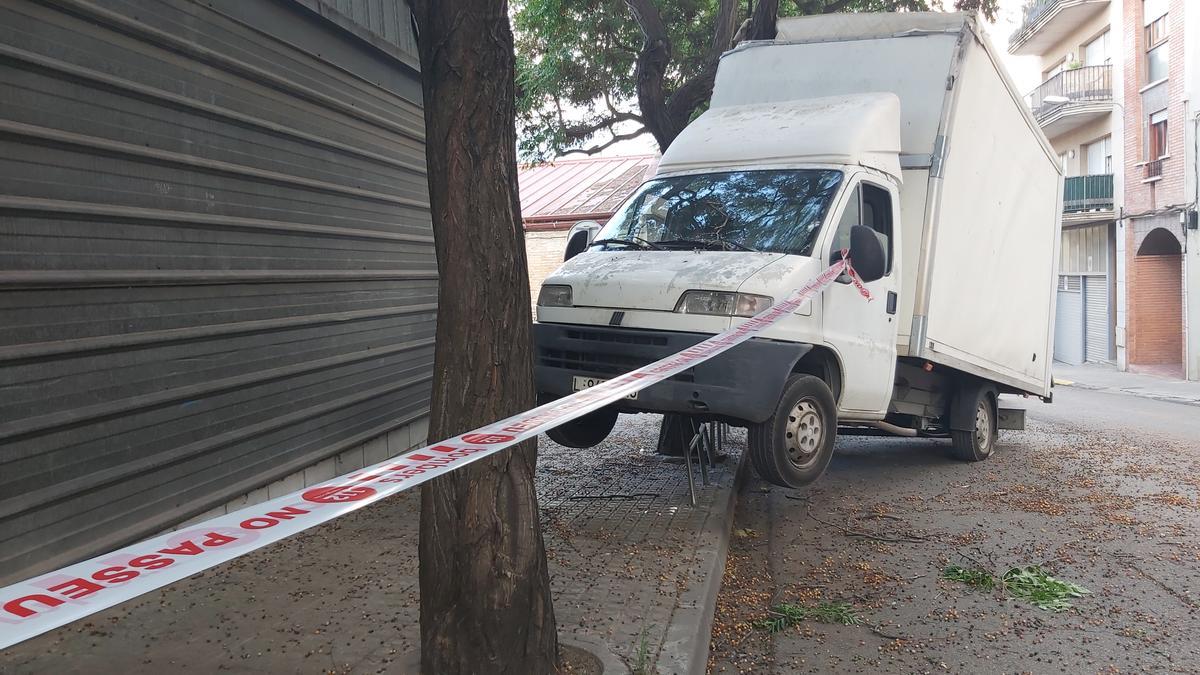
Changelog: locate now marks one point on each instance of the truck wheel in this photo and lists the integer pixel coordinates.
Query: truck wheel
(793, 447)
(977, 444)
(586, 431)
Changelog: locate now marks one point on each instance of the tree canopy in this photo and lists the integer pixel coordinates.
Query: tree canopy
(594, 72)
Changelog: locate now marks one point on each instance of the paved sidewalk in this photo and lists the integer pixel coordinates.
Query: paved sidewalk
(629, 557)
(1102, 377)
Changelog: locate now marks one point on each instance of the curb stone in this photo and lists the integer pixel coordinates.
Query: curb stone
(600, 649)
(685, 645)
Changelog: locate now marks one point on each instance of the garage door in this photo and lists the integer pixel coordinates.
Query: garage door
(216, 257)
(1157, 297)
(1068, 321)
(1095, 295)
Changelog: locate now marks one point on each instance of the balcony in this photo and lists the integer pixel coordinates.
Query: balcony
(1153, 170)
(1072, 98)
(1046, 22)
(1082, 194)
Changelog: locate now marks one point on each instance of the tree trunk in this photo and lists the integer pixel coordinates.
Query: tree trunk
(485, 588)
(650, 70)
(763, 20)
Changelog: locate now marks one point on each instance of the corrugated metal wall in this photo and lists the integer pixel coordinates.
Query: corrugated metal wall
(216, 261)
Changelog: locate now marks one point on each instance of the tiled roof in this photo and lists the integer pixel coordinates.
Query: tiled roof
(570, 189)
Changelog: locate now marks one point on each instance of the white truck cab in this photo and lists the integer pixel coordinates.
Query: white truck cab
(793, 163)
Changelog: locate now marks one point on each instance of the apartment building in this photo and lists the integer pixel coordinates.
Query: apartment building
(1117, 104)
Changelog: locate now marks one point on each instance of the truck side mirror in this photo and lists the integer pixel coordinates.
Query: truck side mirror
(867, 254)
(576, 244)
(579, 237)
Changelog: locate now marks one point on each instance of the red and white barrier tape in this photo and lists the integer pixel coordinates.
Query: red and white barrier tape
(51, 600)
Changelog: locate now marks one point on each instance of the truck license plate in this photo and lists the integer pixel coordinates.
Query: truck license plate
(579, 383)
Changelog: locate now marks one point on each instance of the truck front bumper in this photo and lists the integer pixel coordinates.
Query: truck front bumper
(744, 383)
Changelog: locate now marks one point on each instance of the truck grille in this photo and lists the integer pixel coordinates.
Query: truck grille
(603, 361)
(626, 338)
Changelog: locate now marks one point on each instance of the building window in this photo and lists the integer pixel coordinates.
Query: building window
(1156, 63)
(1099, 156)
(1158, 135)
(1157, 60)
(1095, 53)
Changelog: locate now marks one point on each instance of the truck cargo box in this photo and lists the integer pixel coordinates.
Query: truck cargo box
(981, 205)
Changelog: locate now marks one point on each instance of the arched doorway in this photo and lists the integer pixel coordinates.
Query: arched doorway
(1156, 304)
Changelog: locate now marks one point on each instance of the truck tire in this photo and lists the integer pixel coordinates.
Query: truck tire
(587, 431)
(793, 446)
(979, 443)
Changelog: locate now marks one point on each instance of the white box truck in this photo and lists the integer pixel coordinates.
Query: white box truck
(904, 126)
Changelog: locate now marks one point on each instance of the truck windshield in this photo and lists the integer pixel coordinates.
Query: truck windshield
(778, 211)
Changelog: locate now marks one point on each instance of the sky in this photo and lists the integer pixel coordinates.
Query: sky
(1024, 70)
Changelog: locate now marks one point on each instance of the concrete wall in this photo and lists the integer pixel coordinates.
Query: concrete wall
(1076, 139)
(1071, 46)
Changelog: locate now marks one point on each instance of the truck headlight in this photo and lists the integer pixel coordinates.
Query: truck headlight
(722, 303)
(554, 296)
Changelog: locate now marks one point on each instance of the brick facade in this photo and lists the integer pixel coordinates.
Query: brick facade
(1141, 196)
(544, 251)
(1154, 314)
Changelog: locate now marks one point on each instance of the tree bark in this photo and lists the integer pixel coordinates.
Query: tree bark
(763, 20)
(485, 588)
(650, 71)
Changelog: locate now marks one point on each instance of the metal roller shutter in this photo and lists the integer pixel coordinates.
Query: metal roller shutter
(1095, 294)
(217, 258)
(1068, 322)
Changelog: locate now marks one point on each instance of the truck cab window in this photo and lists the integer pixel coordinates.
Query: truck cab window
(871, 206)
(773, 211)
(851, 216)
(877, 215)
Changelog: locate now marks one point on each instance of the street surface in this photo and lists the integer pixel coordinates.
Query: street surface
(1101, 490)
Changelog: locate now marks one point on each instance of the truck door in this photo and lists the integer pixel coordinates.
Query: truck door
(864, 333)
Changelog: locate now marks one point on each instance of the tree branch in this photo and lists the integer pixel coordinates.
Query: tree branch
(581, 132)
(726, 23)
(617, 138)
(689, 96)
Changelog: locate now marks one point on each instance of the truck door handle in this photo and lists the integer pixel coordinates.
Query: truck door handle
(891, 302)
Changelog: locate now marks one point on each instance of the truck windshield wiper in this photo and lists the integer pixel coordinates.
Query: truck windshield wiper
(636, 242)
(722, 244)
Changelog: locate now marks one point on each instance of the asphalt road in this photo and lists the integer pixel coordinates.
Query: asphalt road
(1102, 490)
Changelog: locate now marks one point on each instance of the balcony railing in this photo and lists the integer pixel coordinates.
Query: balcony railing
(1088, 193)
(1033, 10)
(1154, 169)
(1031, 14)
(1086, 84)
